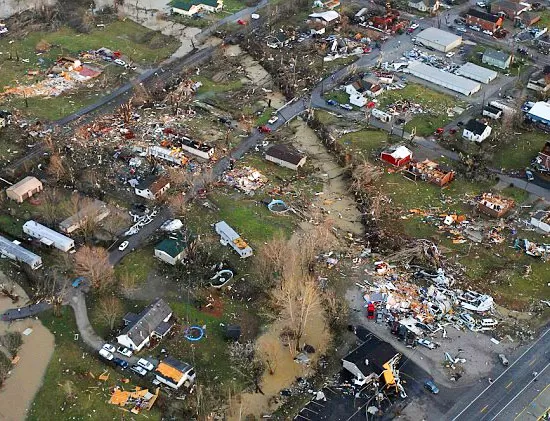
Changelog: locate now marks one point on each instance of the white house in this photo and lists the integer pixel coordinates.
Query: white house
(285, 156)
(430, 6)
(174, 373)
(476, 131)
(541, 220)
(492, 112)
(152, 323)
(360, 90)
(152, 188)
(48, 236)
(192, 7)
(171, 250)
(229, 236)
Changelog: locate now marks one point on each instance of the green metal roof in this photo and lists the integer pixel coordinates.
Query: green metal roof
(171, 246)
(186, 4)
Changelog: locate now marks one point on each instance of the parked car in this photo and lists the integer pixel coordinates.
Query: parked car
(424, 342)
(461, 29)
(123, 245)
(346, 107)
(264, 129)
(503, 360)
(142, 362)
(370, 311)
(331, 102)
(106, 354)
(529, 175)
(475, 28)
(414, 26)
(242, 22)
(78, 281)
(138, 370)
(109, 347)
(450, 54)
(486, 32)
(272, 119)
(431, 387)
(120, 362)
(481, 4)
(120, 62)
(124, 351)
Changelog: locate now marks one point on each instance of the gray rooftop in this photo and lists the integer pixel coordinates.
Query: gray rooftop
(438, 36)
(475, 72)
(147, 321)
(496, 55)
(21, 254)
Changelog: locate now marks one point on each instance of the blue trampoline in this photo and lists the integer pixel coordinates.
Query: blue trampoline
(193, 333)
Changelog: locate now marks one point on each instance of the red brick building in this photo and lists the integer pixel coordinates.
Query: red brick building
(486, 21)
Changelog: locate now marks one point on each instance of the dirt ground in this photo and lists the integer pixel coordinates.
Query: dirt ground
(480, 353)
(19, 389)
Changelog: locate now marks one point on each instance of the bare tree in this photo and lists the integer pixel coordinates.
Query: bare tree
(51, 201)
(116, 222)
(178, 204)
(269, 351)
(110, 309)
(271, 257)
(56, 167)
(93, 263)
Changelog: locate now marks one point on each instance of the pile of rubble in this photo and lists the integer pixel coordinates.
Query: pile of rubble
(245, 179)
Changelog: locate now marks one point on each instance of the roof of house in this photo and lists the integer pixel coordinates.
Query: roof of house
(475, 126)
(172, 246)
(496, 55)
(285, 153)
(187, 4)
(153, 183)
(147, 321)
(398, 151)
(483, 15)
(438, 36)
(541, 109)
(172, 369)
(429, 3)
(327, 16)
(25, 185)
(491, 109)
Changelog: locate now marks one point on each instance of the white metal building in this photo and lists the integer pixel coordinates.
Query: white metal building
(540, 112)
(475, 72)
(19, 254)
(439, 40)
(442, 78)
(48, 236)
(229, 236)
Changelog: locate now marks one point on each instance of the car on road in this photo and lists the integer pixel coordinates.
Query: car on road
(346, 107)
(122, 350)
(264, 129)
(475, 28)
(106, 354)
(332, 102)
(503, 360)
(450, 54)
(138, 370)
(123, 246)
(109, 347)
(242, 22)
(430, 386)
(142, 362)
(486, 32)
(414, 26)
(461, 29)
(272, 119)
(120, 362)
(424, 342)
(529, 175)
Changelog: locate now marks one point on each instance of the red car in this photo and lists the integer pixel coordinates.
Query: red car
(242, 22)
(370, 311)
(264, 129)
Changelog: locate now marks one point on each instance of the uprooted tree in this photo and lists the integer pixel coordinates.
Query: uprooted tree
(93, 263)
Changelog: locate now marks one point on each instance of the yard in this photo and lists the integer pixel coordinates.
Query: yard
(366, 143)
(69, 391)
(519, 151)
(136, 266)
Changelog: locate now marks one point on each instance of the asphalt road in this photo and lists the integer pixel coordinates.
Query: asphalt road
(506, 395)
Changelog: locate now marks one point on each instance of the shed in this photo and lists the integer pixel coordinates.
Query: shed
(496, 58)
(442, 78)
(397, 155)
(286, 156)
(229, 236)
(492, 112)
(171, 250)
(20, 254)
(48, 236)
(24, 189)
(440, 40)
(478, 73)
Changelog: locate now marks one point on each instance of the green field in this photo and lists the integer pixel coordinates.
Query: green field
(365, 142)
(519, 151)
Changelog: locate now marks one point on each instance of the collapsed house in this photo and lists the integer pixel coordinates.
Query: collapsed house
(494, 205)
(94, 209)
(138, 399)
(541, 220)
(13, 251)
(429, 171)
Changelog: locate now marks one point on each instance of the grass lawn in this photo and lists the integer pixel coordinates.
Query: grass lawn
(266, 115)
(210, 88)
(137, 265)
(365, 142)
(325, 117)
(68, 391)
(435, 105)
(340, 96)
(11, 226)
(519, 151)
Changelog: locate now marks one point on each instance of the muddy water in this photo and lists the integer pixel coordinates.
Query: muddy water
(26, 377)
(335, 199)
(286, 370)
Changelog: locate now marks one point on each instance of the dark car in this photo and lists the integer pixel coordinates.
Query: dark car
(430, 386)
(120, 362)
(332, 102)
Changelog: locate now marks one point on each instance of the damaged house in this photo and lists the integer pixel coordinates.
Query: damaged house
(540, 81)
(152, 188)
(397, 155)
(174, 373)
(154, 322)
(541, 220)
(494, 205)
(95, 209)
(542, 161)
(228, 236)
(360, 91)
(429, 171)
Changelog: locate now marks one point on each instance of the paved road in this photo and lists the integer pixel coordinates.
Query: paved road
(24, 312)
(504, 395)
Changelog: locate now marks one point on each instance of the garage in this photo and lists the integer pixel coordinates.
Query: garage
(478, 73)
(439, 40)
(442, 78)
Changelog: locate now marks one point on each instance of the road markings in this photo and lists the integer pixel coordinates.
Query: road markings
(532, 362)
(509, 384)
(484, 409)
(520, 392)
(536, 397)
(504, 372)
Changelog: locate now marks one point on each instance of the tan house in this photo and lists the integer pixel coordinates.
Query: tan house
(24, 189)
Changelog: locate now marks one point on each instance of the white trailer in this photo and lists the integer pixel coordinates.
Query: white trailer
(48, 236)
